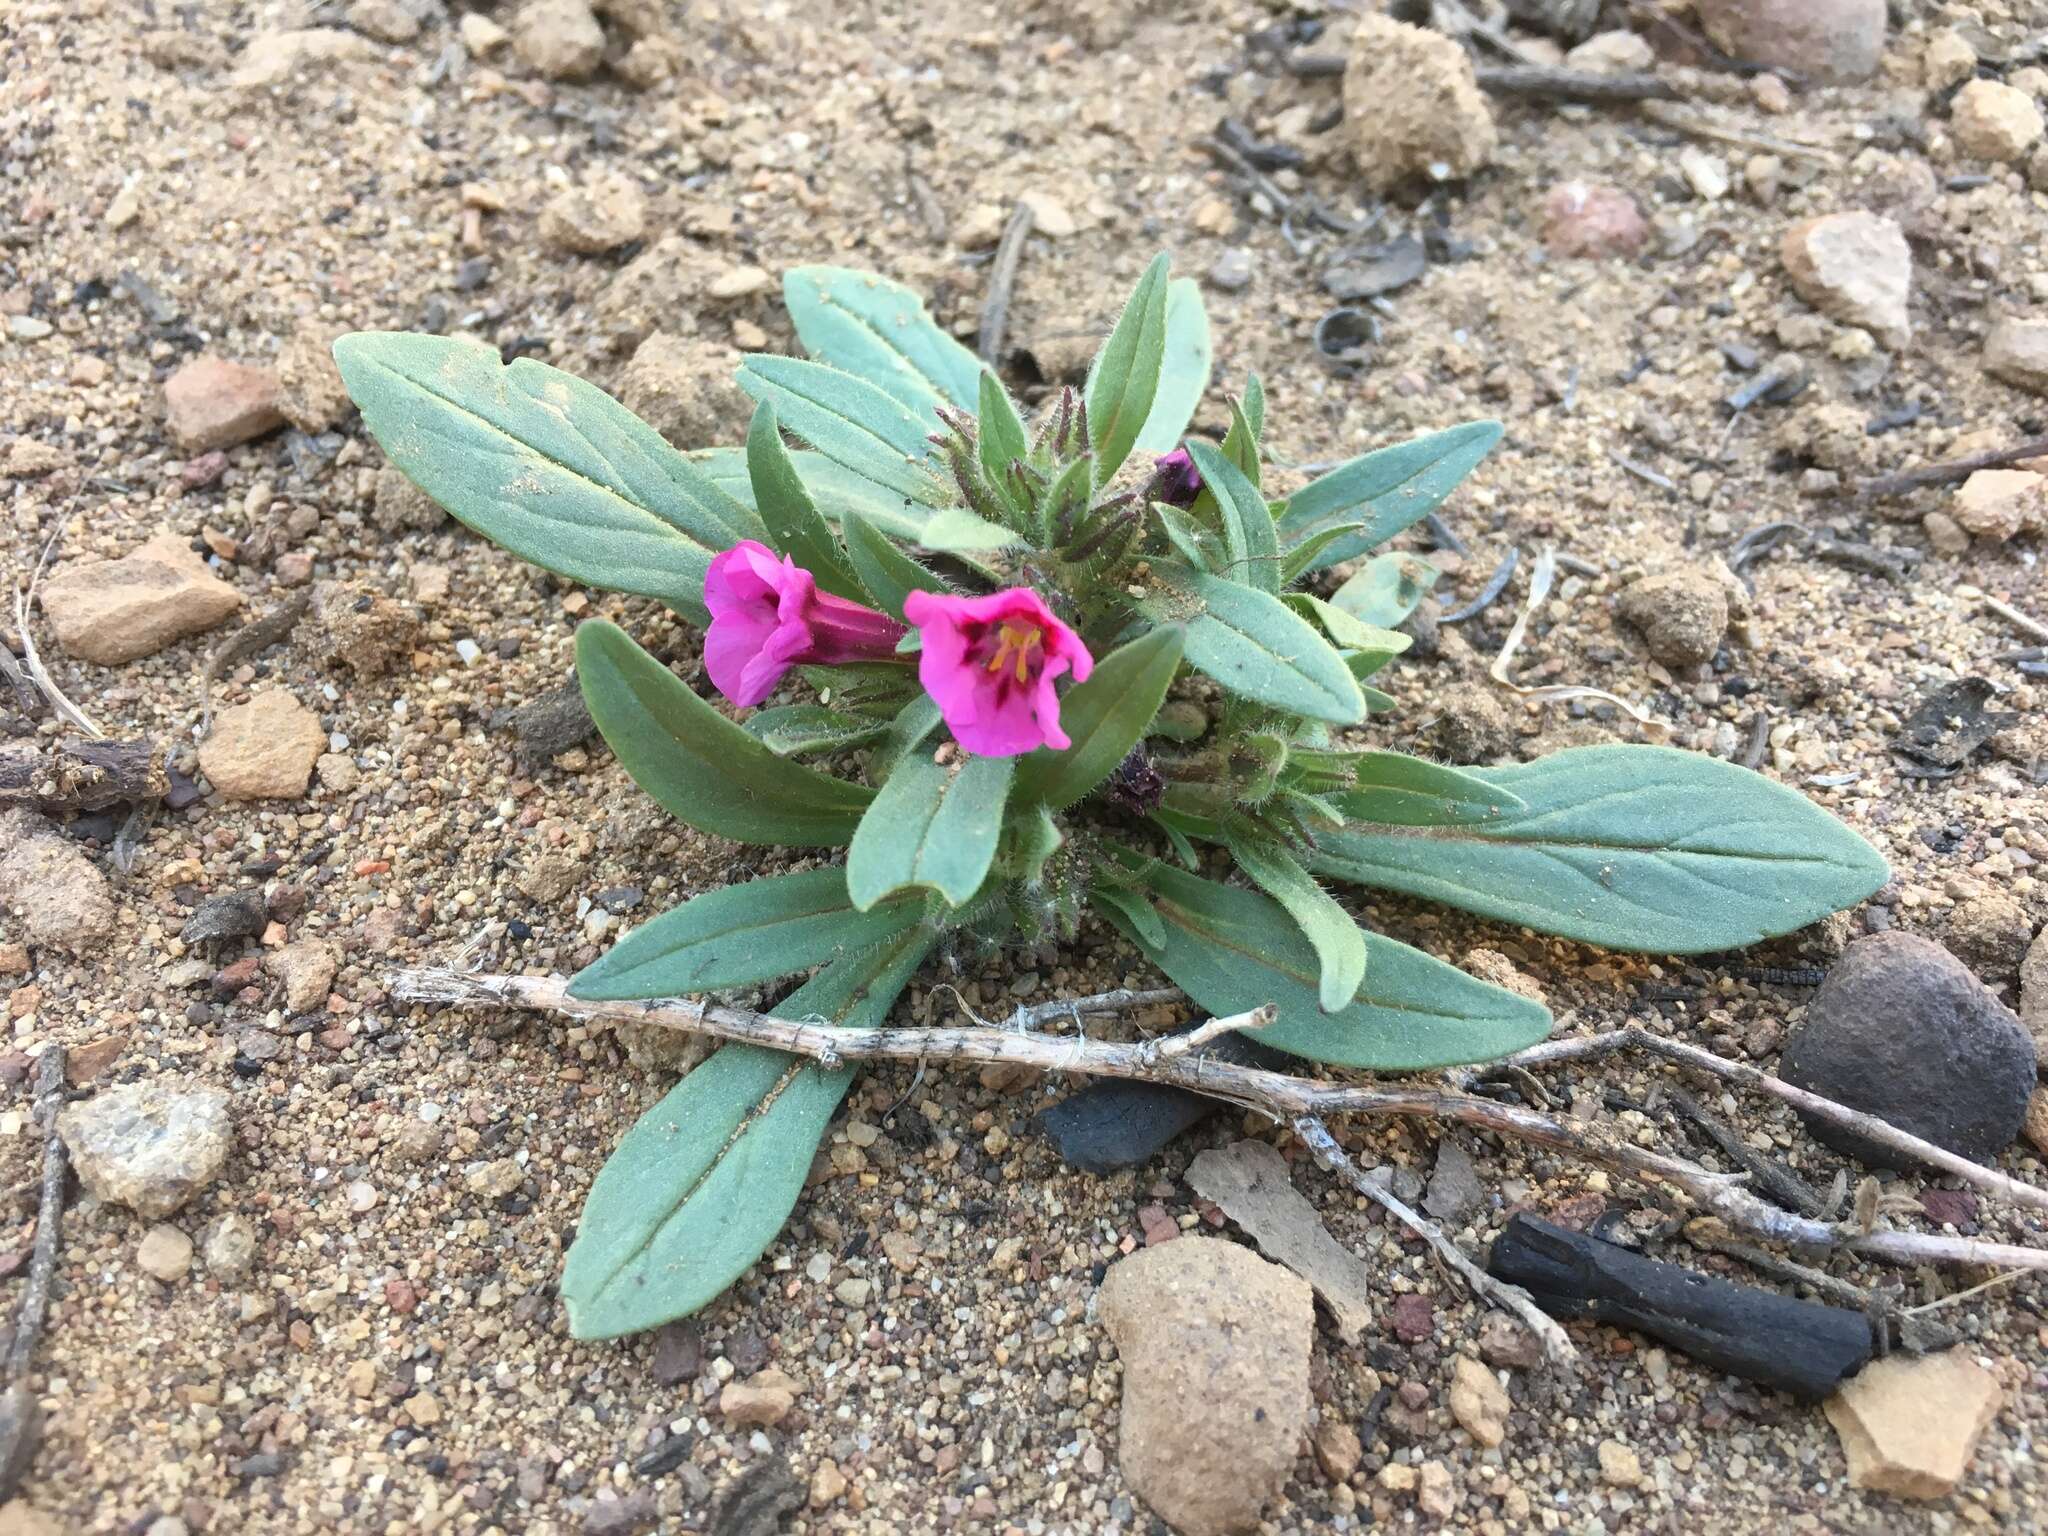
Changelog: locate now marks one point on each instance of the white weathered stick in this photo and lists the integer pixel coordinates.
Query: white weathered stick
(1869, 1127)
(1273, 1094)
(1557, 1344)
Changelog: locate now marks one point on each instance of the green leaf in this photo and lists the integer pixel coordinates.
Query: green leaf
(1036, 837)
(1389, 489)
(704, 770)
(914, 722)
(1633, 848)
(1302, 558)
(794, 525)
(1124, 378)
(1387, 590)
(1249, 542)
(1241, 442)
(1348, 630)
(544, 464)
(885, 571)
(1183, 535)
(955, 530)
(1336, 939)
(848, 420)
(742, 934)
(834, 489)
(1104, 718)
(1233, 949)
(1184, 369)
(931, 825)
(1255, 645)
(699, 1187)
(1000, 438)
(797, 729)
(874, 688)
(880, 331)
(1139, 920)
(1406, 791)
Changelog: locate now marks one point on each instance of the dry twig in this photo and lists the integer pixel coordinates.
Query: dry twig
(1953, 470)
(1286, 1099)
(19, 1412)
(1002, 279)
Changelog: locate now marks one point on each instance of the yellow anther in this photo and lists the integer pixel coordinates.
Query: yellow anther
(1019, 640)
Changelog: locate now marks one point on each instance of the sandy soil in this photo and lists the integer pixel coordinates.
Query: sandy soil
(396, 1359)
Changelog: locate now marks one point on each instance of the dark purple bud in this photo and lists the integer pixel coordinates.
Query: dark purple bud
(1178, 480)
(1136, 785)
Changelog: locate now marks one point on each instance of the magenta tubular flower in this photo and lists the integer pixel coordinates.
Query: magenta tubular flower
(990, 663)
(767, 615)
(1179, 481)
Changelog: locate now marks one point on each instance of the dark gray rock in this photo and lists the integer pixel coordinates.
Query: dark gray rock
(1901, 1030)
(547, 727)
(226, 915)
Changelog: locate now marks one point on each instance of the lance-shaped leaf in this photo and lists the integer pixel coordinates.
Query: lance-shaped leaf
(795, 526)
(1000, 438)
(1255, 645)
(1123, 381)
(1338, 942)
(1405, 791)
(548, 466)
(1183, 371)
(834, 489)
(1388, 490)
(1634, 848)
(1104, 718)
(885, 571)
(932, 824)
(1233, 949)
(1387, 590)
(1250, 546)
(699, 1187)
(955, 530)
(703, 769)
(879, 330)
(742, 934)
(848, 420)
(796, 729)
(912, 724)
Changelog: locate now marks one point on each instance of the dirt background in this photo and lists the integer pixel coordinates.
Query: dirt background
(396, 1359)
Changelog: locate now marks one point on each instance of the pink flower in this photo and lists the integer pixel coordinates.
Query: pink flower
(767, 615)
(990, 663)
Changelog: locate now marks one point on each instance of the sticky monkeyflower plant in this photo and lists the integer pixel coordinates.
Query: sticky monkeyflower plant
(1025, 670)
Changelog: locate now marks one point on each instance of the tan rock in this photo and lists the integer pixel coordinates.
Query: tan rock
(399, 505)
(2034, 992)
(559, 38)
(1413, 106)
(56, 891)
(1435, 1495)
(1049, 216)
(828, 1485)
(278, 58)
(2035, 1126)
(1997, 504)
(1479, 1402)
(150, 1146)
(310, 391)
(1619, 52)
(1950, 59)
(1835, 40)
(2016, 351)
(1620, 1466)
(1909, 1424)
(18, 1517)
(979, 227)
(1854, 267)
(165, 1253)
(389, 21)
(682, 386)
(762, 1399)
(1682, 614)
(481, 35)
(307, 969)
(1995, 121)
(214, 403)
(264, 749)
(1338, 1450)
(604, 213)
(1203, 1321)
(111, 611)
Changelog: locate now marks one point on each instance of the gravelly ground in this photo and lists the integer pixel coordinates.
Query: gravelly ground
(396, 1359)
